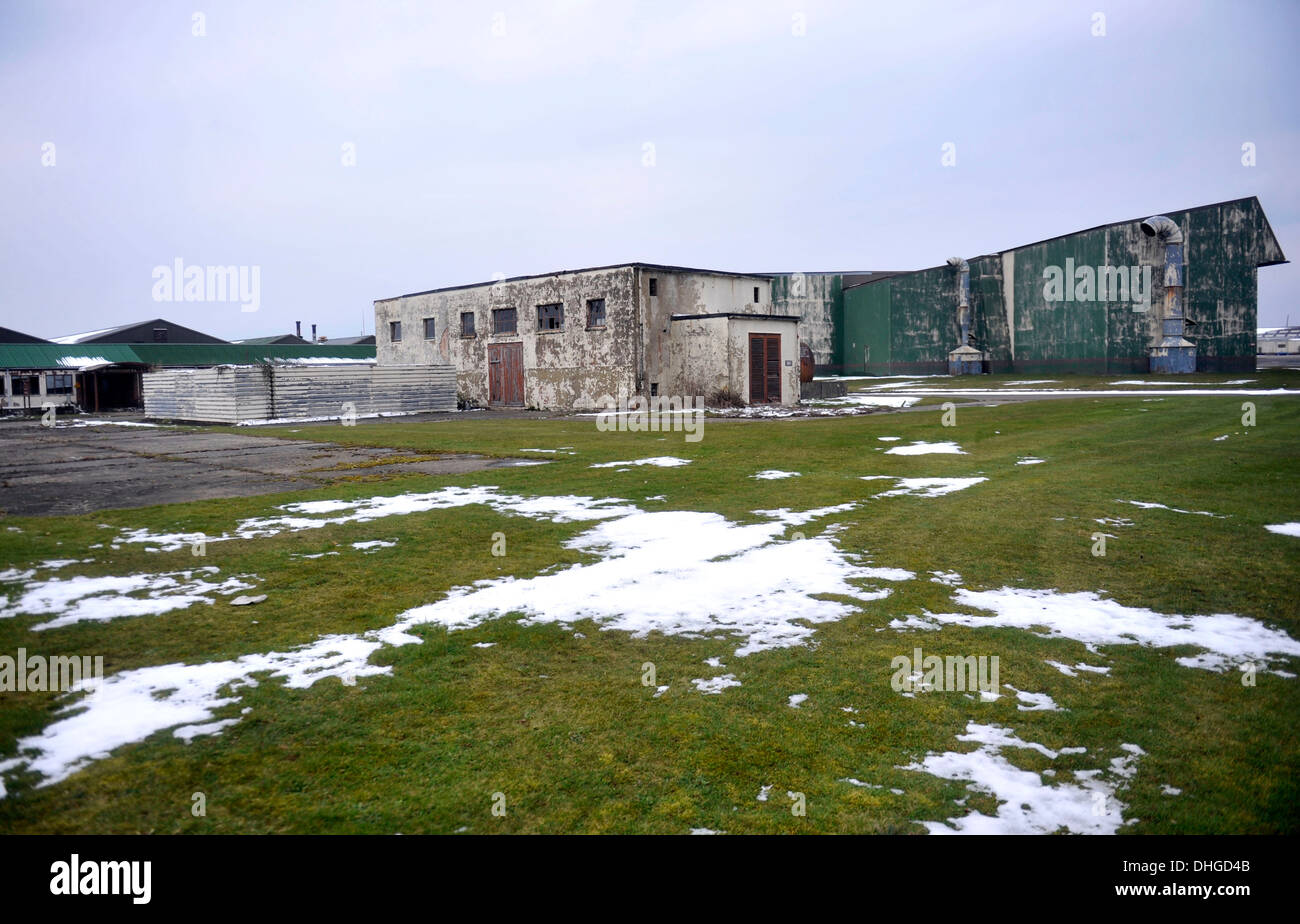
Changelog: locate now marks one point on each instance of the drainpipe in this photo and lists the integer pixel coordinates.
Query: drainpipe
(965, 360)
(1174, 353)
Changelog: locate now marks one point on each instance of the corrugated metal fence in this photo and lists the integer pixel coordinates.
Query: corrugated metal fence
(243, 394)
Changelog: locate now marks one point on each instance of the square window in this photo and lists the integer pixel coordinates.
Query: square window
(596, 312)
(394, 331)
(550, 317)
(504, 321)
(428, 329)
(467, 324)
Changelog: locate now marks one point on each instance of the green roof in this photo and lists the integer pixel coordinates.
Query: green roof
(70, 356)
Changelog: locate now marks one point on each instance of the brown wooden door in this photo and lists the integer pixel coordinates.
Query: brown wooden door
(764, 368)
(506, 374)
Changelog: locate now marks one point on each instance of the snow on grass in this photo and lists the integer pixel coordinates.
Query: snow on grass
(1227, 640)
(950, 578)
(519, 463)
(1030, 460)
(796, 700)
(91, 422)
(315, 514)
(657, 461)
(922, 448)
(1031, 382)
(567, 450)
(715, 685)
(929, 487)
(1027, 804)
(373, 544)
(132, 705)
(889, 439)
(859, 399)
(677, 572)
(1073, 671)
(1037, 702)
(1152, 506)
(774, 474)
(96, 599)
(1284, 529)
(790, 517)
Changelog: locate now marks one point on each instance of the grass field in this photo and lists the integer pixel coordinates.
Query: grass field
(551, 720)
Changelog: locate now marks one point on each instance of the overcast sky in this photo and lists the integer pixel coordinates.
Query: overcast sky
(522, 138)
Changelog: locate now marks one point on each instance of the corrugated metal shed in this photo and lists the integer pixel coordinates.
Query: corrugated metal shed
(245, 394)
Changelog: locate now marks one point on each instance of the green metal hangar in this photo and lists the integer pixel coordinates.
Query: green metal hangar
(102, 370)
(1165, 293)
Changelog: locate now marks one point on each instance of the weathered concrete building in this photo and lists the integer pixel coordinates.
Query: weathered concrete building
(1094, 301)
(576, 338)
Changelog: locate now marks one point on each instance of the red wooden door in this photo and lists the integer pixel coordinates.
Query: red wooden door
(764, 368)
(506, 374)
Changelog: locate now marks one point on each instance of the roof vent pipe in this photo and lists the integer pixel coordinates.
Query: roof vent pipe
(1163, 228)
(1173, 352)
(298, 327)
(963, 298)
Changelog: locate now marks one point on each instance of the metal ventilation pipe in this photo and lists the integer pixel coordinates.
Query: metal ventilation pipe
(963, 298)
(298, 328)
(313, 333)
(1174, 353)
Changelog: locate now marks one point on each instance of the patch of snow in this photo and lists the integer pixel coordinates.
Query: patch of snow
(763, 793)
(96, 599)
(1284, 529)
(950, 578)
(1152, 506)
(796, 699)
(716, 685)
(1170, 790)
(1228, 639)
(1027, 805)
(484, 644)
(774, 474)
(657, 461)
(922, 448)
(308, 514)
(930, 487)
(375, 544)
(889, 439)
(1030, 460)
(1038, 702)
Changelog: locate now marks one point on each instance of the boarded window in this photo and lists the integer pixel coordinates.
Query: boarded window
(394, 331)
(550, 317)
(596, 312)
(428, 329)
(467, 324)
(654, 286)
(504, 321)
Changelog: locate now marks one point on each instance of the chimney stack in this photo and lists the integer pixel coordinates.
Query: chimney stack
(298, 329)
(313, 333)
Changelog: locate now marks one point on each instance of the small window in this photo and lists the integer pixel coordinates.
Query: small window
(504, 321)
(394, 331)
(756, 295)
(467, 324)
(596, 312)
(160, 335)
(654, 389)
(428, 329)
(550, 317)
(654, 286)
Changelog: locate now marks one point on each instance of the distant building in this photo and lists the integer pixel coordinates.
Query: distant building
(158, 330)
(278, 338)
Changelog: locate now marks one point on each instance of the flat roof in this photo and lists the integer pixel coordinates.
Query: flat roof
(589, 269)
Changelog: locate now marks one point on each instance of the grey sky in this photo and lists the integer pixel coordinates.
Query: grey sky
(481, 153)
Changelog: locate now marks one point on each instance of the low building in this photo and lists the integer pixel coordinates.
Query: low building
(580, 339)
